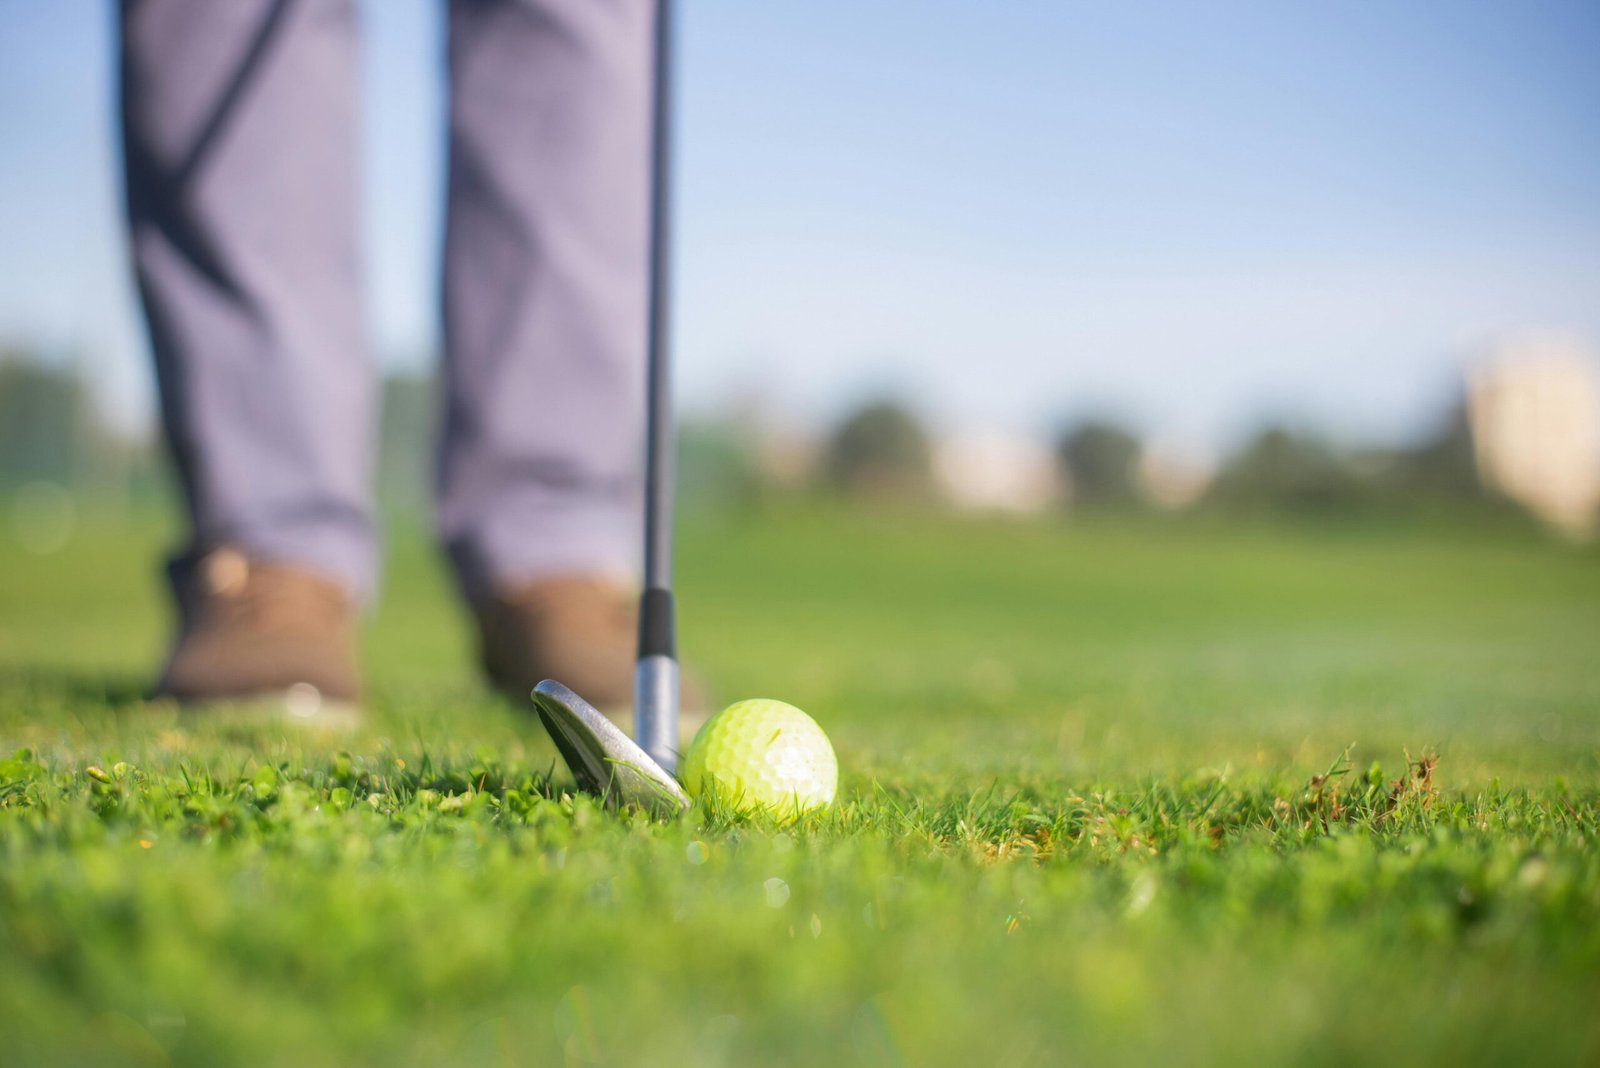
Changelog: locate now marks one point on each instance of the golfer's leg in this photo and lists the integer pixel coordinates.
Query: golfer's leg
(545, 286)
(239, 124)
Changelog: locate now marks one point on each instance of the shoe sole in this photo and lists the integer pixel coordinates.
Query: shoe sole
(300, 704)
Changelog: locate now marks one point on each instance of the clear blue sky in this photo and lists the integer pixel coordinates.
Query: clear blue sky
(1193, 214)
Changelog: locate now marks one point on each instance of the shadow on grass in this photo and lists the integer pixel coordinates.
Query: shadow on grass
(116, 690)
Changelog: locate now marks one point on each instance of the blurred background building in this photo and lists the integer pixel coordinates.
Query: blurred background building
(1536, 429)
(996, 471)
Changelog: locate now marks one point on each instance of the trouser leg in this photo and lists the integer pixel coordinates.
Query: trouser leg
(545, 286)
(240, 141)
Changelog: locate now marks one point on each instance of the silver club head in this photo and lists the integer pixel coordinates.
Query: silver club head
(604, 760)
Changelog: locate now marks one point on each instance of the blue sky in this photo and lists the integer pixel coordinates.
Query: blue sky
(1194, 215)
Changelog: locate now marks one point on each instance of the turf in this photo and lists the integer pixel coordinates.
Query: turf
(1113, 792)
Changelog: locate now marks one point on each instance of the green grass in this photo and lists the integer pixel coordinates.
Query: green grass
(1112, 793)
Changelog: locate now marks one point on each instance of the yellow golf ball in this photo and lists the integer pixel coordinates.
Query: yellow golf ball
(763, 754)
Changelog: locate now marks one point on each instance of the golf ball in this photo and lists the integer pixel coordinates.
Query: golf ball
(763, 754)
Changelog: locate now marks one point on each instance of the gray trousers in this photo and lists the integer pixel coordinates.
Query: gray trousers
(240, 127)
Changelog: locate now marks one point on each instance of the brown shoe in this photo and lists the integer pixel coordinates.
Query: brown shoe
(252, 629)
(581, 630)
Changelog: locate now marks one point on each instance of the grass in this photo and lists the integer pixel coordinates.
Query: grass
(1113, 793)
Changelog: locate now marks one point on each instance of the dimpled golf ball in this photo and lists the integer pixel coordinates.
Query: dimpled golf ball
(763, 754)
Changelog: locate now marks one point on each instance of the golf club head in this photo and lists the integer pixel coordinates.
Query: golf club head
(604, 760)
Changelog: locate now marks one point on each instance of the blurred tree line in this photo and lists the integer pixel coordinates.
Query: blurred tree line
(880, 452)
(52, 433)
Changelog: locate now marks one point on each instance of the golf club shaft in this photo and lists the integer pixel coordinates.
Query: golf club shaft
(655, 707)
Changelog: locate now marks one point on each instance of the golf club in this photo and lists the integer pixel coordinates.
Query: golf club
(603, 759)
(655, 687)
